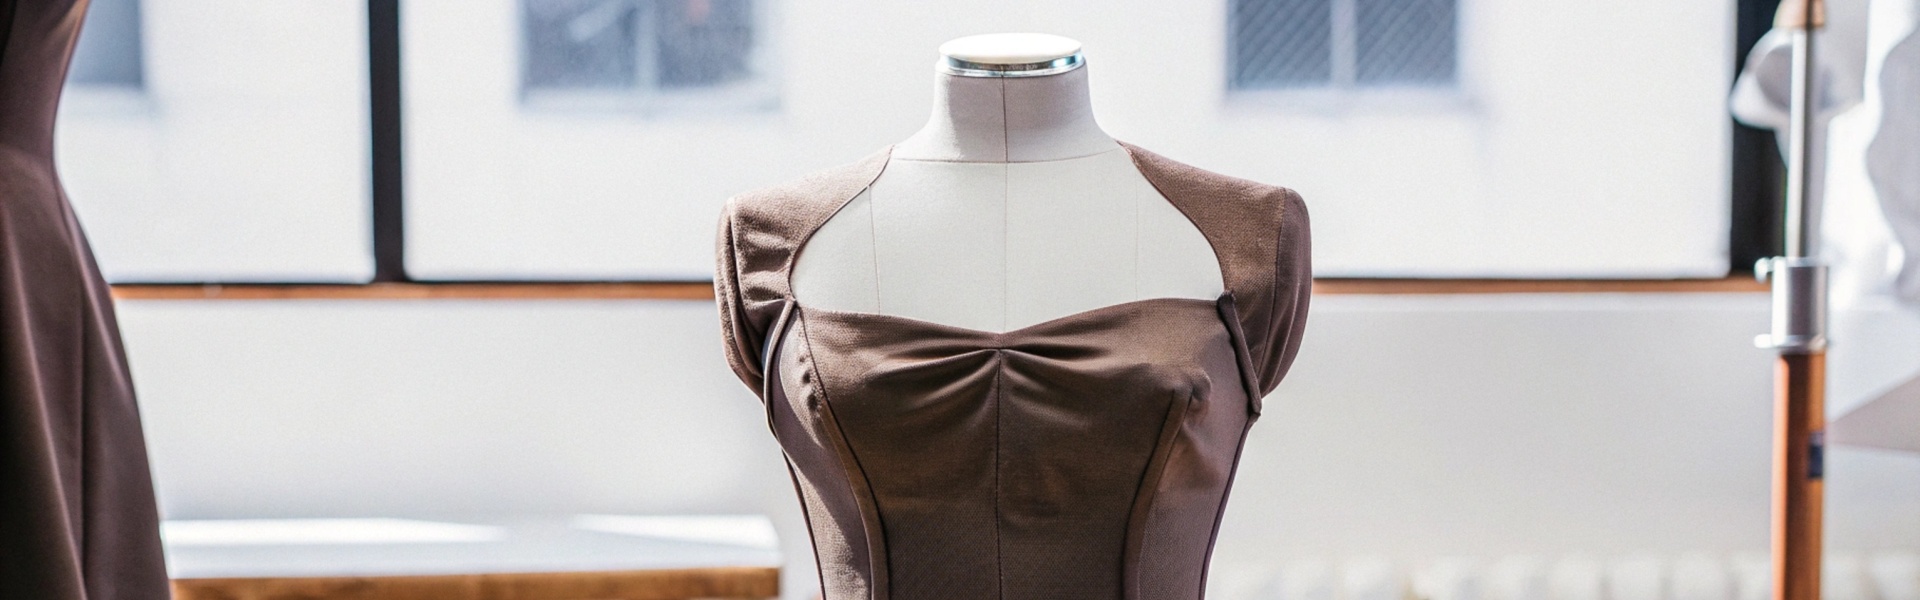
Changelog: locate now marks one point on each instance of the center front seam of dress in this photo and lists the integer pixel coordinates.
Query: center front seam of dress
(999, 376)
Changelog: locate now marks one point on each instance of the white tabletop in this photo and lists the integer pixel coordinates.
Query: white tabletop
(398, 547)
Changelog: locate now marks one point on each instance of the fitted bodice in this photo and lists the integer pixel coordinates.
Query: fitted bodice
(1086, 456)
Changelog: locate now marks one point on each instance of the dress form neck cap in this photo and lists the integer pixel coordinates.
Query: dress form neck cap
(1010, 55)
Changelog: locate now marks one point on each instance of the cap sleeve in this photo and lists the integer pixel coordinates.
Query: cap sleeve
(740, 334)
(1292, 290)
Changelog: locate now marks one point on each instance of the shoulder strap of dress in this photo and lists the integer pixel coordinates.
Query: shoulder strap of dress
(1258, 231)
(1239, 217)
(772, 223)
(760, 233)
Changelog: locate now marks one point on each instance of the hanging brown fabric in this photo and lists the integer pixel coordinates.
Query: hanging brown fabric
(77, 514)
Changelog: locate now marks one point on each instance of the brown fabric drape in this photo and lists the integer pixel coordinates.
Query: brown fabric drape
(77, 513)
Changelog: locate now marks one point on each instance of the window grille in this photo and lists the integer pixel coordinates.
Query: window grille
(108, 53)
(638, 46)
(1342, 43)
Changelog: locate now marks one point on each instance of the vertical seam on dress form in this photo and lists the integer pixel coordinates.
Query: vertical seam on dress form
(1150, 173)
(1006, 219)
(1006, 242)
(800, 244)
(1138, 220)
(873, 241)
(1006, 139)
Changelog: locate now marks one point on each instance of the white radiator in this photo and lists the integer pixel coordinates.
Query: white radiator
(1702, 576)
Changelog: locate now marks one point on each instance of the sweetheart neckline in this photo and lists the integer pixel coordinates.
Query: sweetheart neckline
(886, 153)
(1055, 321)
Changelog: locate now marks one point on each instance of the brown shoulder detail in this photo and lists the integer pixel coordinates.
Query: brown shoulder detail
(771, 223)
(1259, 232)
(1253, 195)
(758, 234)
(1238, 217)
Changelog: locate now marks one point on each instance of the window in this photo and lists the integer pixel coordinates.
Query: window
(641, 52)
(220, 140)
(244, 154)
(109, 52)
(1342, 43)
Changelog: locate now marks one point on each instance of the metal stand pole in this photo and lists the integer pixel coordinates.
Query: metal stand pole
(1799, 335)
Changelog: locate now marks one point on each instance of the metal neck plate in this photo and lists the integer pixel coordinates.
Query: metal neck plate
(967, 68)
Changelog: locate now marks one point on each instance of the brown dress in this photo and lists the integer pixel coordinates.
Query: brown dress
(77, 516)
(1087, 456)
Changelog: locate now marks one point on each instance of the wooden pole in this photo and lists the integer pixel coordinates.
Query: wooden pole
(1800, 382)
(1799, 334)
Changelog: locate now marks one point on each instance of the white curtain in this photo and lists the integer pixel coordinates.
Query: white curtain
(1865, 175)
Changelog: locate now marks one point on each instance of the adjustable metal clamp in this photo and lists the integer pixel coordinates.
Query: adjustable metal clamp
(1799, 304)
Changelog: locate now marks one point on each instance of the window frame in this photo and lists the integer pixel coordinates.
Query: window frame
(1756, 178)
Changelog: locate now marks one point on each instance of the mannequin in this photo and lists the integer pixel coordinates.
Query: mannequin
(1001, 357)
(1010, 208)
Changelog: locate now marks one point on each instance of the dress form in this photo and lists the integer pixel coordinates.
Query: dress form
(1009, 208)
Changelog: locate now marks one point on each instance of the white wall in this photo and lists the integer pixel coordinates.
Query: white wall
(1585, 140)
(245, 156)
(1412, 428)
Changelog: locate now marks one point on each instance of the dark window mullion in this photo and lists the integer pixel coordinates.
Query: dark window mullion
(383, 91)
(1758, 187)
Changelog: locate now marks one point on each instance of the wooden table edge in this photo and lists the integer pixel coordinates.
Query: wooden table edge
(648, 584)
(701, 290)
